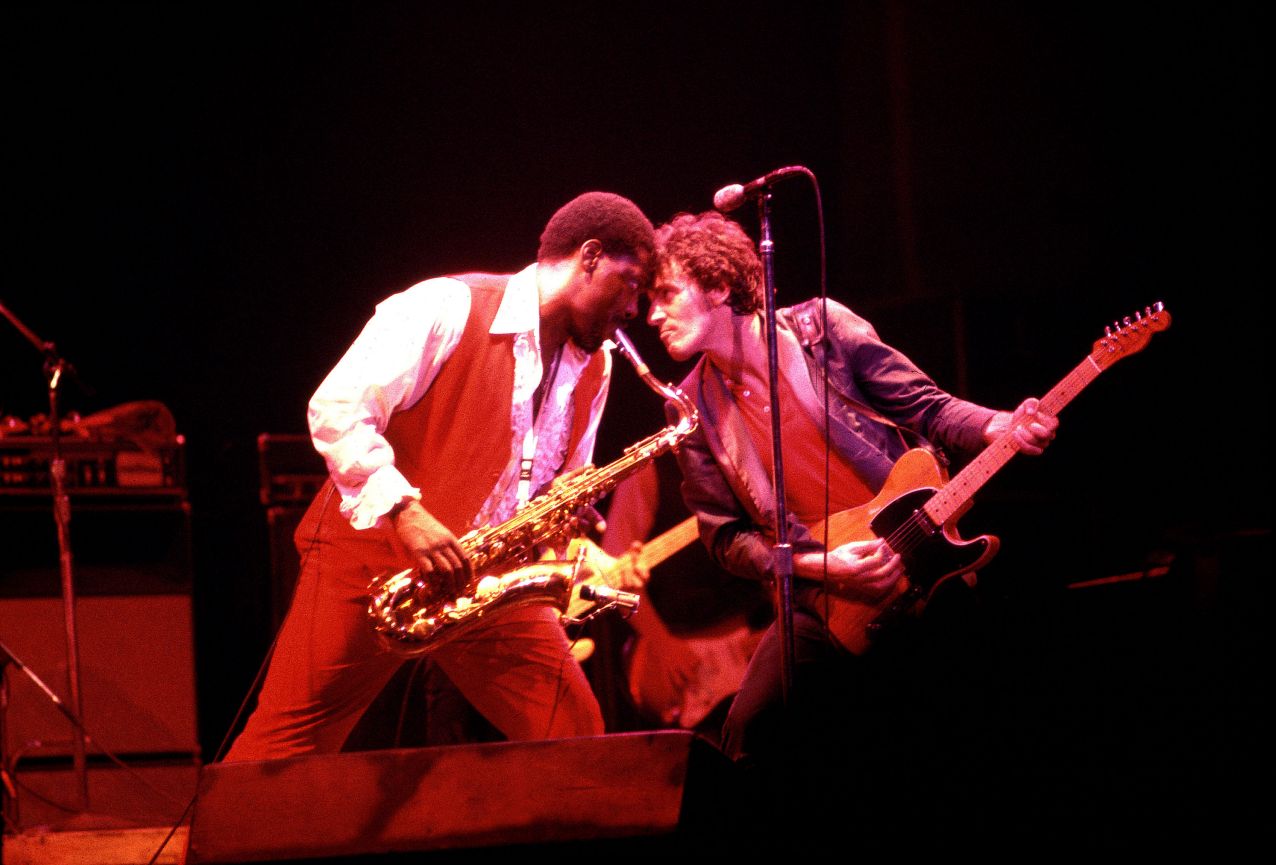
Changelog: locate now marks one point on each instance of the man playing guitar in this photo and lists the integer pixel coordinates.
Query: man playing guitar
(707, 302)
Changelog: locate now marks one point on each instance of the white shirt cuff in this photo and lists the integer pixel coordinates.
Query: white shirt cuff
(384, 488)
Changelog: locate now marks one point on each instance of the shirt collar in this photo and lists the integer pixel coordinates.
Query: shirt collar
(519, 311)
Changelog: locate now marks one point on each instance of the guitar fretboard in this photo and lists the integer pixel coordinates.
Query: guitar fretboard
(665, 544)
(946, 503)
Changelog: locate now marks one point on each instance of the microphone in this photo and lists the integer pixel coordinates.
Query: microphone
(608, 595)
(730, 197)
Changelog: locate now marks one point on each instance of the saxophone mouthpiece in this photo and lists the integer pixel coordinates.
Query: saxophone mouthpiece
(627, 349)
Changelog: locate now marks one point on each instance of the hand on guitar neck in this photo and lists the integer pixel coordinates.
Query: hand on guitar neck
(1031, 427)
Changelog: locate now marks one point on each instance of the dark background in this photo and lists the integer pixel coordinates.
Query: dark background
(207, 201)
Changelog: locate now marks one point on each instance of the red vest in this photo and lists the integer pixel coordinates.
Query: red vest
(455, 442)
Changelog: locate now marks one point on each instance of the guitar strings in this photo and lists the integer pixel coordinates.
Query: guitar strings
(909, 534)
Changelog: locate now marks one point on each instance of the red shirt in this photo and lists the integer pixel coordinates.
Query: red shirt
(804, 452)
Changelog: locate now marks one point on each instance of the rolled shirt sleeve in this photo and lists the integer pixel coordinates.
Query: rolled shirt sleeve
(388, 368)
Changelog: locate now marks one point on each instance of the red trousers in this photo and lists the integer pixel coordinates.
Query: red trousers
(327, 667)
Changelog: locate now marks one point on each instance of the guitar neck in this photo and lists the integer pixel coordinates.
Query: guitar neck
(668, 542)
(954, 496)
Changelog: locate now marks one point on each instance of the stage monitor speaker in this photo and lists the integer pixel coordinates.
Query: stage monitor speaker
(137, 680)
(463, 796)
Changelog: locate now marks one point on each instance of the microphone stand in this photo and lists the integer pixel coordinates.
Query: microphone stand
(783, 549)
(55, 367)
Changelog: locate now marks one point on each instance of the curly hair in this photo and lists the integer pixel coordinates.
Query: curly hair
(715, 252)
(613, 220)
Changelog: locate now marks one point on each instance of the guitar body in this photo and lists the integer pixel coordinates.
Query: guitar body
(931, 553)
(679, 681)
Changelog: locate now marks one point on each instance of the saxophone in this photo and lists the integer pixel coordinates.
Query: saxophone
(410, 616)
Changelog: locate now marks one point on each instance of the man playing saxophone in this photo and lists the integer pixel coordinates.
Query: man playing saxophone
(462, 396)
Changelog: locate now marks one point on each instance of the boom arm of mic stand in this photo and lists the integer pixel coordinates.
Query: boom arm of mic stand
(783, 557)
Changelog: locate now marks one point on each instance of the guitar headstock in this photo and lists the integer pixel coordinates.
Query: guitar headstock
(1130, 334)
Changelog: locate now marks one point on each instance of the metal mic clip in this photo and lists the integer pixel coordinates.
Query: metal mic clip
(607, 598)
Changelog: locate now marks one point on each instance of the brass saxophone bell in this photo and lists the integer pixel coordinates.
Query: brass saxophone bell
(406, 626)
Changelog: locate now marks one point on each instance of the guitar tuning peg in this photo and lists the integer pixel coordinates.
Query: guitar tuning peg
(1127, 321)
(1138, 316)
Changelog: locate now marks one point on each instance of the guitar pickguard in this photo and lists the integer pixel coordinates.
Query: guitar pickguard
(931, 554)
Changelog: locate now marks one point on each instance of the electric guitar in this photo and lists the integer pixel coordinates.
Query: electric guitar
(675, 680)
(916, 511)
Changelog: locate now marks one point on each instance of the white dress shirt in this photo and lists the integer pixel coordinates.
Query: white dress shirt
(391, 365)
